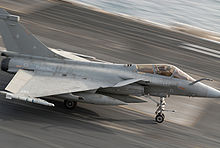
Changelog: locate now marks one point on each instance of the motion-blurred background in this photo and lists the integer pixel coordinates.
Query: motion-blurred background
(183, 33)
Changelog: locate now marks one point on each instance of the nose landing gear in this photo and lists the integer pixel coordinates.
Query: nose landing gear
(159, 112)
(159, 118)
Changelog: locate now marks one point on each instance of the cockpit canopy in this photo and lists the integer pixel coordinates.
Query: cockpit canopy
(164, 70)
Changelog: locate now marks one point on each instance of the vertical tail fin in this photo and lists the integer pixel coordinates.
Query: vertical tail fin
(17, 39)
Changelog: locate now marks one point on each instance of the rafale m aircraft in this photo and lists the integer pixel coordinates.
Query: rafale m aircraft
(42, 73)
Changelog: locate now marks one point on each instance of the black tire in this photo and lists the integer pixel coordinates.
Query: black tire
(159, 118)
(70, 104)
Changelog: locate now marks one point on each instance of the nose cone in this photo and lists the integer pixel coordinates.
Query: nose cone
(213, 93)
(203, 90)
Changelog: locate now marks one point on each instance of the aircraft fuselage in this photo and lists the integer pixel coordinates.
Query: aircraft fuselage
(156, 85)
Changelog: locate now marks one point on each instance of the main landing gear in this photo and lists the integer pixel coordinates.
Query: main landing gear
(70, 104)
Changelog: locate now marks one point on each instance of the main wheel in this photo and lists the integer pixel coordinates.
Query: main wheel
(159, 118)
(70, 104)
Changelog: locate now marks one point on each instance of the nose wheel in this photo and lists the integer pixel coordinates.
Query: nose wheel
(160, 118)
(70, 104)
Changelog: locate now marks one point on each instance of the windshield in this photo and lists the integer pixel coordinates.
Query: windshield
(164, 70)
(182, 75)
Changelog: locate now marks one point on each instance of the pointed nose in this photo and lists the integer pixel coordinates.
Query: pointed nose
(204, 90)
(213, 93)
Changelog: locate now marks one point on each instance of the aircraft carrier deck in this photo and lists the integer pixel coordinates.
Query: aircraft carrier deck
(113, 38)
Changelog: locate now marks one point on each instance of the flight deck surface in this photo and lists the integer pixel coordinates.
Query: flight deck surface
(113, 39)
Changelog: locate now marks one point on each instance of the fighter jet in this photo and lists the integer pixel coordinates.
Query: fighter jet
(42, 73)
